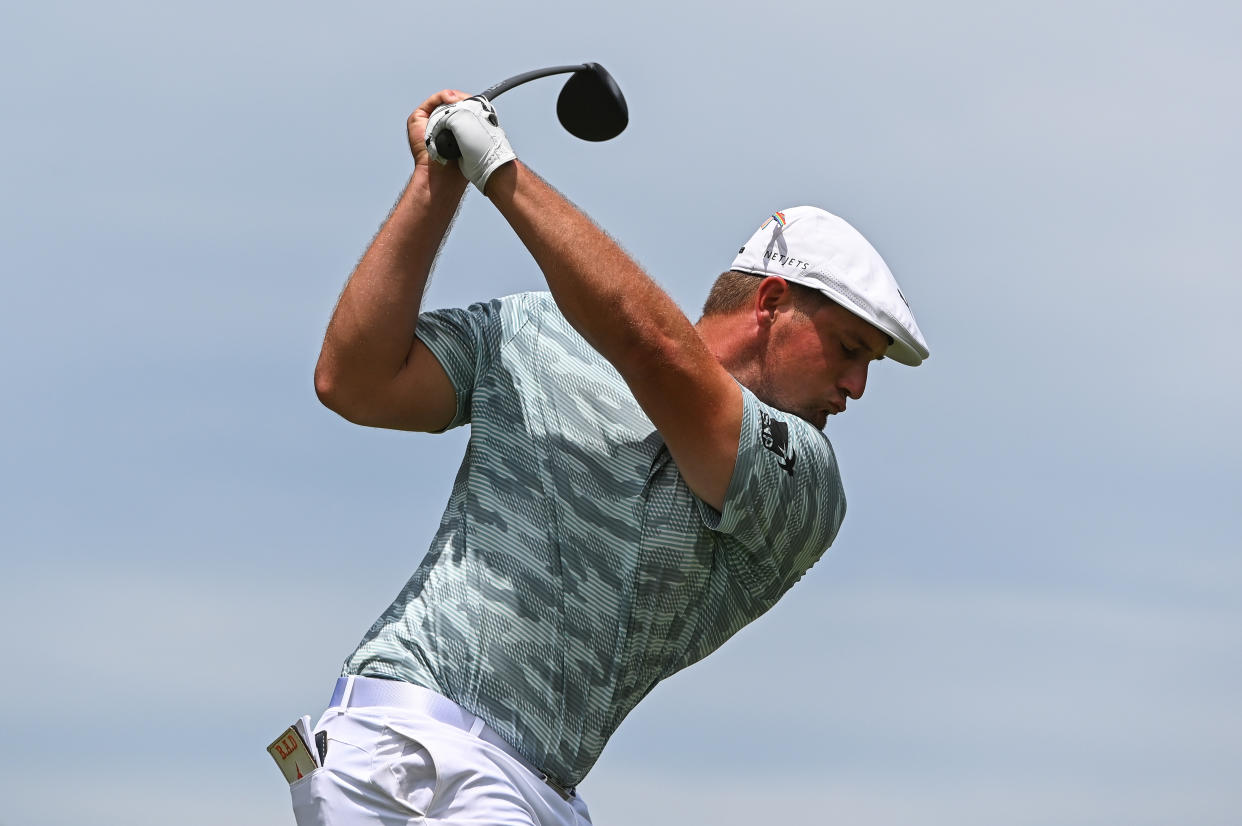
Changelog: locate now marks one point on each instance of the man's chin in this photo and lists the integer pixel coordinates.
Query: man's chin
(817, 419)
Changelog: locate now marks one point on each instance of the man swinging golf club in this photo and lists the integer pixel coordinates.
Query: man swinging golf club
(637, 487)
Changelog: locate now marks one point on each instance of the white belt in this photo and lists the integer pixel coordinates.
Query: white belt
(357, 692)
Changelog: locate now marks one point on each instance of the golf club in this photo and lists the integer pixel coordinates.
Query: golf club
(590, 106)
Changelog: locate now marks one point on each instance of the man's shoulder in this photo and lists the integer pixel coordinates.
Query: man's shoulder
(495, 319)
(537, 310)
(518, 310)
(532, 301)
(526, 326)
(785, 461)
(783, 433)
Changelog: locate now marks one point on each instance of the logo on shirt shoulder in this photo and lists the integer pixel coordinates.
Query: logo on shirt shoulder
(774, 434)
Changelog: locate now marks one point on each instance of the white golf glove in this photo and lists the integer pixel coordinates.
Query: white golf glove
(473, 122)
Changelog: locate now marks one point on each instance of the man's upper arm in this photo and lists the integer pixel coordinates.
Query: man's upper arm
(452, 349)
(785, 501)
(697, 407)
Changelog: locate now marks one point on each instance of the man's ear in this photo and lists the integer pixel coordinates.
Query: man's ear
(774, 294)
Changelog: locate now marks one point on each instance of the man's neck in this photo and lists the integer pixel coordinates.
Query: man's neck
(727, 338)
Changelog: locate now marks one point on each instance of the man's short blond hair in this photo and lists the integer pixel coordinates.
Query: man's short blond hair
(734, 291)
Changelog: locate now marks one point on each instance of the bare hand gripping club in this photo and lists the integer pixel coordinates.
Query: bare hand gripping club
(590, 106)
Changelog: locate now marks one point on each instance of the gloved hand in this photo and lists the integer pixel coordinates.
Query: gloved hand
(473, 122)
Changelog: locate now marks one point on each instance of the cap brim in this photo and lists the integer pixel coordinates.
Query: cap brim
(900, 350)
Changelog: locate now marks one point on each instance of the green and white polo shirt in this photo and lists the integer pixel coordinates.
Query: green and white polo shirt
(573, 568)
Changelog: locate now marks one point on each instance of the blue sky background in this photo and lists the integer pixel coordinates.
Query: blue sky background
(1032, 614)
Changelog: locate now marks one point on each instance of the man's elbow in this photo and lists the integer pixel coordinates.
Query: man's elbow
(334, 394)
(359, 405)
(325, 384)
(411, 400)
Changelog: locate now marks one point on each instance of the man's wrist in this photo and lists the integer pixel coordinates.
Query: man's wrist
(440, 181)
(503, 179)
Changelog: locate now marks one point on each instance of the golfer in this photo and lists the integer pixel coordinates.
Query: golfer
(636, 488)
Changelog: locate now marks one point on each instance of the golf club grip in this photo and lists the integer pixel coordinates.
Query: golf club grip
(446, 145)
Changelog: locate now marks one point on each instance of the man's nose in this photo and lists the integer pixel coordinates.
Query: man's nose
(854, 382)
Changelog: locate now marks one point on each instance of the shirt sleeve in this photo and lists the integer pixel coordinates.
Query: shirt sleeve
(785, 502)
(465, 342)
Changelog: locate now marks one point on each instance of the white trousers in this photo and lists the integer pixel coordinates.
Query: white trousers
(395, 763)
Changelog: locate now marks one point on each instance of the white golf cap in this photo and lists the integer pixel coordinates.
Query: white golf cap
(814, 248)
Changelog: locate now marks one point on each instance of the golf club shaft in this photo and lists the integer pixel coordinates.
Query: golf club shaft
(446, 144)
(493, 92)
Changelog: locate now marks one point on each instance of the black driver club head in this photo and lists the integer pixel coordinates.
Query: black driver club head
(591, 106)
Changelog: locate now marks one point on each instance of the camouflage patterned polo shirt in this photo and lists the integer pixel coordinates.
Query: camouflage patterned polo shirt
(573, 568)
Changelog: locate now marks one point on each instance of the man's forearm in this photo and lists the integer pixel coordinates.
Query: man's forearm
(694, 403)
(372, 328)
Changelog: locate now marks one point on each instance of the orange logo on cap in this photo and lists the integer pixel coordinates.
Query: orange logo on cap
(778, 217)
